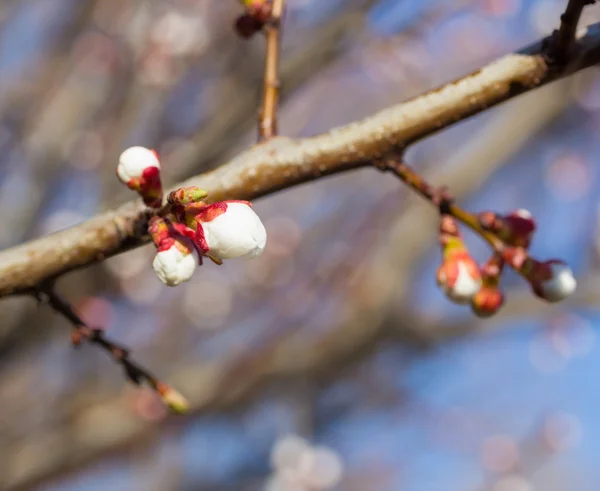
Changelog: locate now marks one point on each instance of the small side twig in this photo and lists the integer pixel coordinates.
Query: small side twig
(564, 38)
(267, 124)
(438, 197)
(134, 372)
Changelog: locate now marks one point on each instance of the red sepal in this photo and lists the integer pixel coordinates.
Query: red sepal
(211, 212)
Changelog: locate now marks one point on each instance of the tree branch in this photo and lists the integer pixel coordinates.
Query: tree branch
(273, 355)
(562, 43)
(267, 125)
(282, 162)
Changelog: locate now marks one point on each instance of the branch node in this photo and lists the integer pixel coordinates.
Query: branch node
(443, 200)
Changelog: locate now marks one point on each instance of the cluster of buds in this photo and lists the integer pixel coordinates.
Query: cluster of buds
(189, 228)
(176, 257)
(463, 281)
(257, 14)
(551, 280)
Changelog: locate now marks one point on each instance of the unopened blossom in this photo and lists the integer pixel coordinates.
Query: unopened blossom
(551, 280)
(139, 169)
(261, 9)
(516, 228)
(257, 15)
(458, 276)
(175, 261)
(519, 228)
(489, 299)
(229, 229)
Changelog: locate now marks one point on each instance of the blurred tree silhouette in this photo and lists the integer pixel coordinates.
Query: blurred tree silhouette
(337, 332)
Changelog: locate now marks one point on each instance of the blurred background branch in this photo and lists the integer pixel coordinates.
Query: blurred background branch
(337, 333)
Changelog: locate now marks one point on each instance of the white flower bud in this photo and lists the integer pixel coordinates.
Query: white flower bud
(459, 279)
(561, 285)
(173, 265)
(134, 161)
(465, 286)
(237, 232)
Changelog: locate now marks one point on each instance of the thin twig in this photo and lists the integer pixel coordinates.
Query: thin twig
(564, 38)
(267, 124)
(439, 197)
(133, 371)
(513, 256)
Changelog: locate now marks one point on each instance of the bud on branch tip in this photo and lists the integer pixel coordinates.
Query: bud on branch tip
(173, 399)
(139, 170)
(175, 261)
(552, 280)
(257, 14)
(230, 229)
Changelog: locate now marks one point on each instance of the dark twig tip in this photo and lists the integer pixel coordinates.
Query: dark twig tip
(134, 372)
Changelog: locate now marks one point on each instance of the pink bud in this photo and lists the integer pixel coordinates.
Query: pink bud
(520, 227)
(552, 280)
(139, 169)
(459, 276)
(487, 301)
(516, 228)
